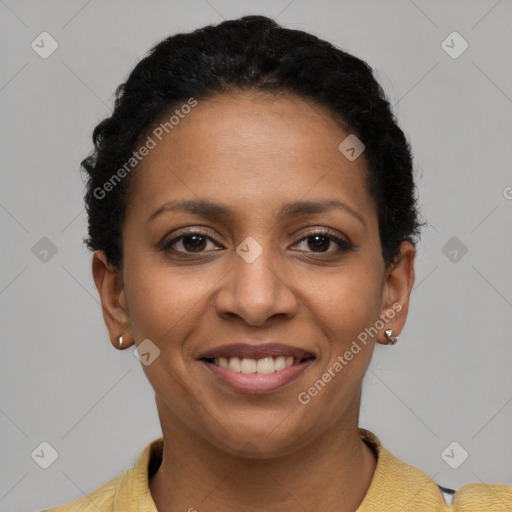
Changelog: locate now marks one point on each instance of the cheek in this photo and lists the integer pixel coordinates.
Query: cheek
(164, 307)
(343, 307)
(162, 302)
(344, 303)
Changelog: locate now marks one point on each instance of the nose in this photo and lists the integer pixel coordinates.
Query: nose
(255, 290)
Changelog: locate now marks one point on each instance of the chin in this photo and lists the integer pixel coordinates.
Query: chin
(261, 436)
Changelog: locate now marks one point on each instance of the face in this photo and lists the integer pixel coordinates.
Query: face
(283, 269)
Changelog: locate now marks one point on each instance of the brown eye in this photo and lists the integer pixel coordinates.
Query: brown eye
(320, 242)
(192, 242)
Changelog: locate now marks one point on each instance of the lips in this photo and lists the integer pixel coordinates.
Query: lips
(259, 368)
(248, 351)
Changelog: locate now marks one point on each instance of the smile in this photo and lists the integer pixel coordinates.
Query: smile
(265, 365)
(257, 369)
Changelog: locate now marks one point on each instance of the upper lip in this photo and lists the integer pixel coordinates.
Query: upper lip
(253, 351)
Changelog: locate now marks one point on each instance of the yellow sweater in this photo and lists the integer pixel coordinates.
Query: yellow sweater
(395, 487)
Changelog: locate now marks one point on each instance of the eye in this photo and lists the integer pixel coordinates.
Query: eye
(320, 241)
(192, 242)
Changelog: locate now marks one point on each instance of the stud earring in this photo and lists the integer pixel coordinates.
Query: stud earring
(120, 341)
(392, 339)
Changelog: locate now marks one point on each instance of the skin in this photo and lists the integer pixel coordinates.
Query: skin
(227, 450)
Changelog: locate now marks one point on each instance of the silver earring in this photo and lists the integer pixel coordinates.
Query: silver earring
(392, 339)
(120, 341)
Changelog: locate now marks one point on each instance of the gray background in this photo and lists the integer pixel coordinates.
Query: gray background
(448, 379)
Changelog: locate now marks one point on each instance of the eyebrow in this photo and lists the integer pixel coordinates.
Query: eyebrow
(209, 209)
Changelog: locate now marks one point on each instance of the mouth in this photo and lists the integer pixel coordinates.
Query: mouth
(265, 365)
(257, 369)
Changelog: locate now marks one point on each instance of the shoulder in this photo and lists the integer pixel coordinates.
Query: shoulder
(482, 497)
(100, 499)
(404, 487)
(398, 485)
(128, 492)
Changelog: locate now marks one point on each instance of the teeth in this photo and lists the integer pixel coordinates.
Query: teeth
(280, 362)
(246, 365)
(265, 365)
(234, 364)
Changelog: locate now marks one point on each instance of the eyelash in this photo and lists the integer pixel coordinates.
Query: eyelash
(343, 245)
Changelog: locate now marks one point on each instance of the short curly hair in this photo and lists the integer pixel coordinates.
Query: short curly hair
(255, 53)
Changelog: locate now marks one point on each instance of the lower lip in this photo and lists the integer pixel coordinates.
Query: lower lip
(259, 383)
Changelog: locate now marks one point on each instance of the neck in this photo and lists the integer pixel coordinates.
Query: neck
(332, 473)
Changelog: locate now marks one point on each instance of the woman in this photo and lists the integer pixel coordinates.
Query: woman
(253, 219)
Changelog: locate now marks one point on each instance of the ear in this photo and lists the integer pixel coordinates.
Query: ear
(109, 282)
(398, 284)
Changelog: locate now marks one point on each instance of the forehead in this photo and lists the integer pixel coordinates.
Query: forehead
(264, 147)
(250, 123)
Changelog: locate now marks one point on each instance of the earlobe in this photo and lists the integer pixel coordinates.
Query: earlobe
(396, 293)
(110, 287)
